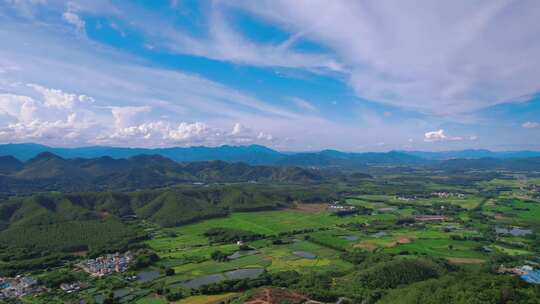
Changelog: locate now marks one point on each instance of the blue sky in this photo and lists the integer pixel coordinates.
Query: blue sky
(292, 75)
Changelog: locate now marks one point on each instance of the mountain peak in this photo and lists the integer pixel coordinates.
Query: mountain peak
(46, 156)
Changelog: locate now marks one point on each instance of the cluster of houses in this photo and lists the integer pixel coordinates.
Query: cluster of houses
(447, 194)
(11, 288)
(337, 206)
(526, 272)
(70, 287)
(406, 198)
(107, 264)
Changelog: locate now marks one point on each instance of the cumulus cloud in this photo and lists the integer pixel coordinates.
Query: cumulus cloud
(126, 116)
(17, 107)
(238, 129)
(243, 135)
(530, 125)
(439, 135)
(59, 117)
(50, 116)
(58, 99)
(159, 133)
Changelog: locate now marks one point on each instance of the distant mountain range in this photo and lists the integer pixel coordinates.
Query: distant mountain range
(48, 171)
(261, 155)
(471, 154)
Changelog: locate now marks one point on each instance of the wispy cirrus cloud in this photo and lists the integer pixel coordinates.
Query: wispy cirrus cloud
(442, 58)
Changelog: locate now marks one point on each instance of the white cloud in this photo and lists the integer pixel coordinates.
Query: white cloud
(59, 99)
(226, 44)
(530, 125)
(237, 129)
(51, 116)
(221, 41)
(126, 116)
(164, 133)
(59, 118)
(16, 107)
(74, 19)
(439, 135)
(265, 136)
(159, 133)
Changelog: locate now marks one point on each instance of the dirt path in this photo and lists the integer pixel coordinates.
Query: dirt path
(313, 208)
(276, 296)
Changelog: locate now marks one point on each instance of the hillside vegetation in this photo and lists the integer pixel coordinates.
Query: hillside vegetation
(43, 225)
(48, 172)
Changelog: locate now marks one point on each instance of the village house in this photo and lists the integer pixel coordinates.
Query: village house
(70, 287)
(11, 288)
(105, 265)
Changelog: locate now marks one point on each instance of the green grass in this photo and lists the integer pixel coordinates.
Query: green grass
(518, 211)
(282, 258)
(511, 251)
(266, 222)
(439, 248)
(151, 300)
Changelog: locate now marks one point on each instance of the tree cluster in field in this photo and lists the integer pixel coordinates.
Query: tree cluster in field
(219, 256)
(231, 235)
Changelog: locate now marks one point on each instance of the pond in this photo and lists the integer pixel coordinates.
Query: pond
(305, 254)
(200, 281)
(145, 276)
(379, 234)
(249, 273)
(239, 274)
(241, 253)
(349, 237)
(514, 231)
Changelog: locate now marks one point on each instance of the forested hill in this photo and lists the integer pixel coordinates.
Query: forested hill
(48, 171)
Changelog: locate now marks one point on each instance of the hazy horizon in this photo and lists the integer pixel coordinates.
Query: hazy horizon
(254, 144)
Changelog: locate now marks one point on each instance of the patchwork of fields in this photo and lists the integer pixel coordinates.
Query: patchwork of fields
(458, 225)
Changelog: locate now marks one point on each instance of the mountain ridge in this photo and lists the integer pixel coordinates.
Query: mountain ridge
(50, 172)
(261, 155)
